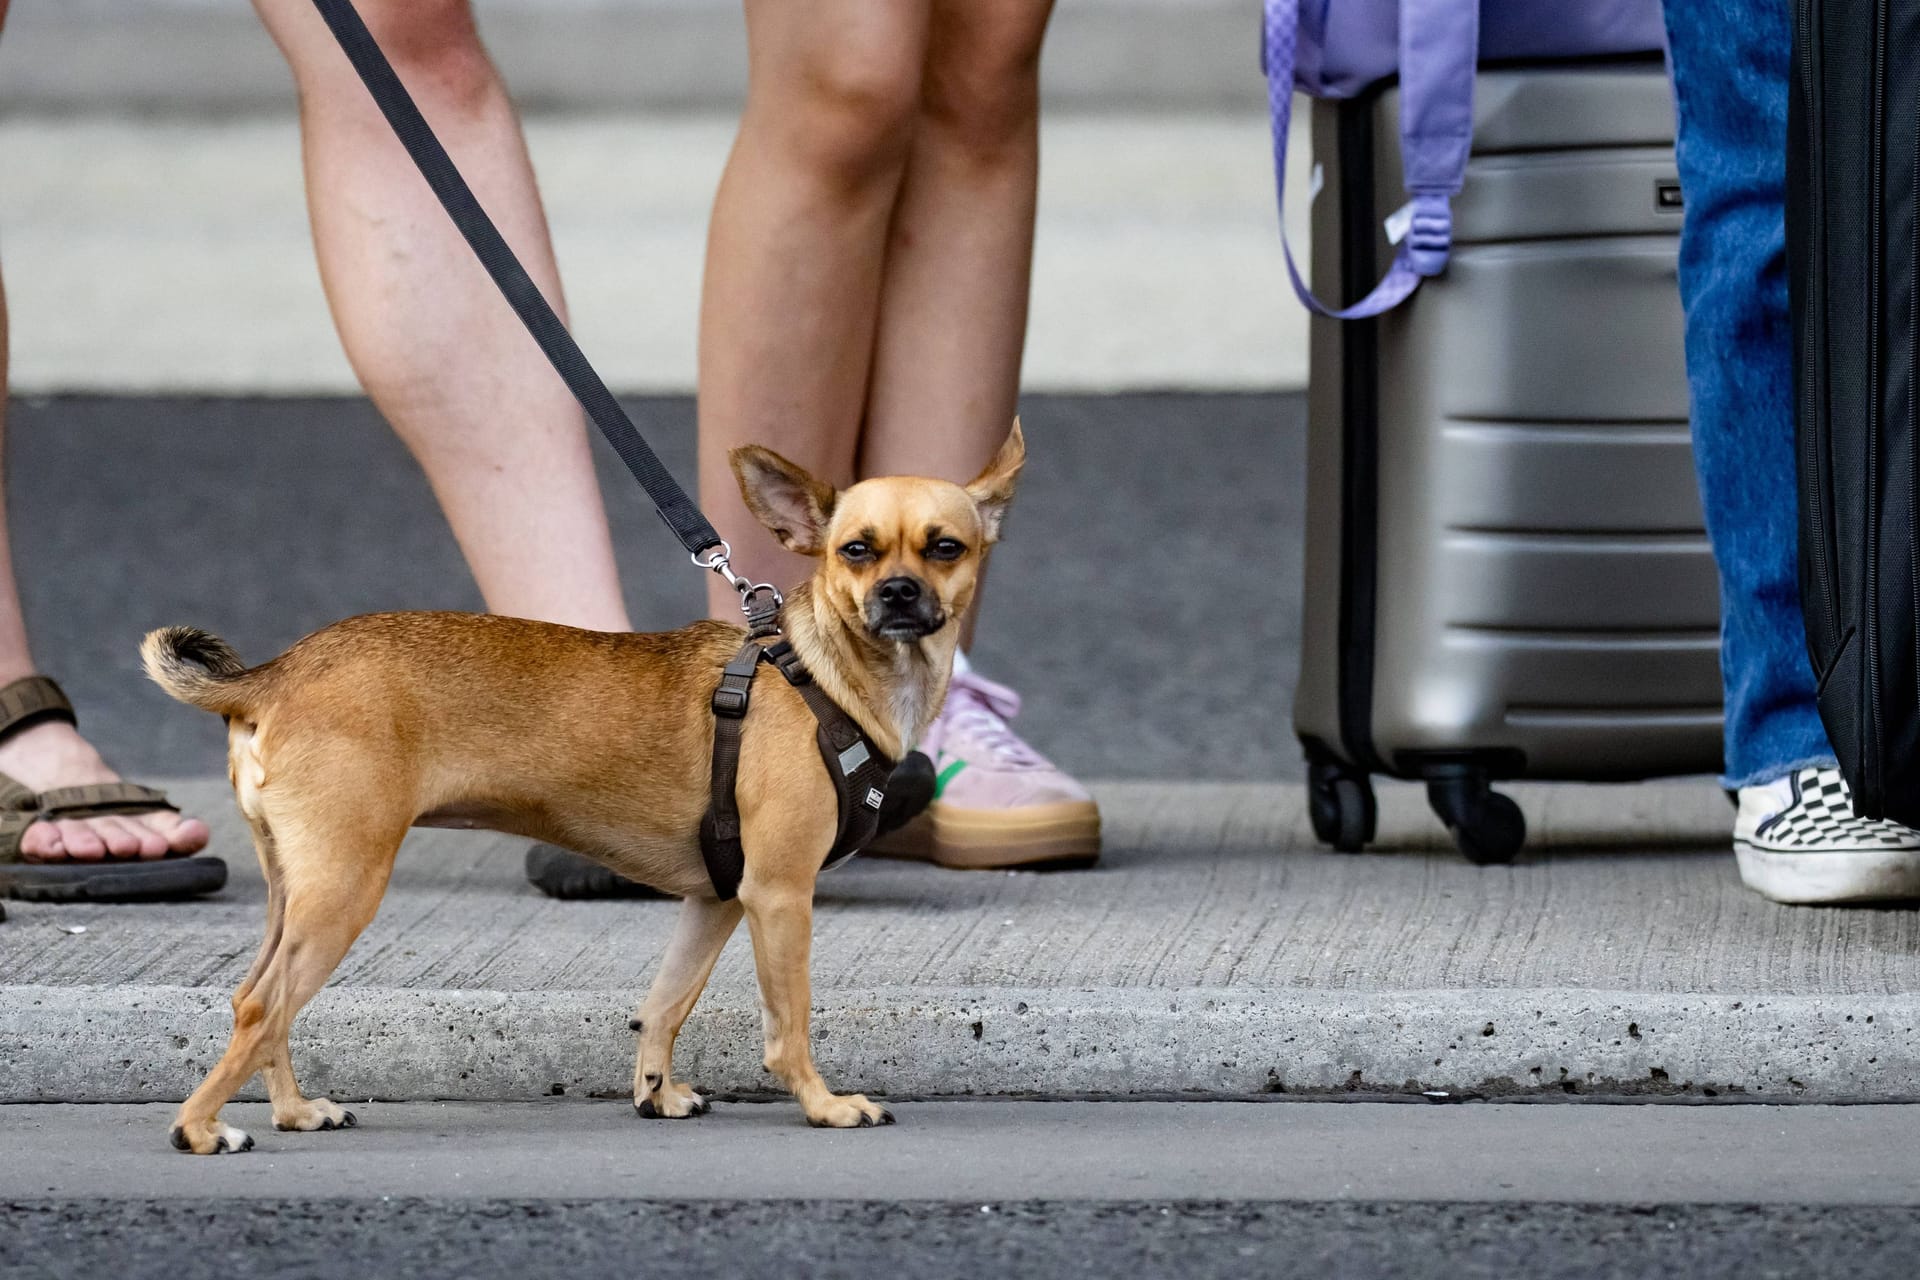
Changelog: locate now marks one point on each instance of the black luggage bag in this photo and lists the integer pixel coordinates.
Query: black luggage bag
(1852, 169)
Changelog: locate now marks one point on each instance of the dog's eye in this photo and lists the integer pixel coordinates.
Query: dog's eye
(946, 549)
(856, 552)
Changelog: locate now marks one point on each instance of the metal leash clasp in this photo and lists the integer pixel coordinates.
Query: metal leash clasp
(750, 591)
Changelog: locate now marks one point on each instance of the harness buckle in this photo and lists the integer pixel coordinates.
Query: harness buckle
(730, 702)
(787, 662)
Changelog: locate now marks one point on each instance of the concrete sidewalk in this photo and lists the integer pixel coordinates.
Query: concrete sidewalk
(1216, 952)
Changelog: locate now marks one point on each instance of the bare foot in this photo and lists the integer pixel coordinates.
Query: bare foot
(53, 754)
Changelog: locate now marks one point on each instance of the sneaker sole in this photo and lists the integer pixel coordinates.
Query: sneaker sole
(1033, 837)
(1831, 878)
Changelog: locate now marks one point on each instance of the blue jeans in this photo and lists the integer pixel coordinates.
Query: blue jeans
(1730, 63)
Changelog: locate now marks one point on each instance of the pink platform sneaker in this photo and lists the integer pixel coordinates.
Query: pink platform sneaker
(998, 803)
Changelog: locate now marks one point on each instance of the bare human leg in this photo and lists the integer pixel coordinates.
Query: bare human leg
(796, 252)
(52, 754)
(945, 380)
(443, 357)
(953, 307)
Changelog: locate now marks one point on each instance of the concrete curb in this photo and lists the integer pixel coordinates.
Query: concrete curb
(142, 1044)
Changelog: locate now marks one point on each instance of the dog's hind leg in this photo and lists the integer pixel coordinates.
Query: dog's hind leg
(780, 917)
(276, 909)
(698, 939)
(327, 900)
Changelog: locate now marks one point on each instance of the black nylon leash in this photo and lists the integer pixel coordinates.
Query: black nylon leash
(692, 528)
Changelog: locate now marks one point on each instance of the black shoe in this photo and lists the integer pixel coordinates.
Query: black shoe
(909, 792)
(562, 873)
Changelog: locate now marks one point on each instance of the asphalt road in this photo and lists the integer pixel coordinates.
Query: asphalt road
(1362, 1240)
(962, 1189)
(1145, 600)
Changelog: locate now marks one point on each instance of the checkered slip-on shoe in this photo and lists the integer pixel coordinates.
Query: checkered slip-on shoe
(1797, 840)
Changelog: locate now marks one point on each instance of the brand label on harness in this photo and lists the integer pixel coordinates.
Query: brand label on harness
(852, 758)
(874, 798)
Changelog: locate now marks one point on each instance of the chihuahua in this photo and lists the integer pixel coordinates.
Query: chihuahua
(599, 742)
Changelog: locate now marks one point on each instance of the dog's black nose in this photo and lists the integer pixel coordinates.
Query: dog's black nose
(899, 591)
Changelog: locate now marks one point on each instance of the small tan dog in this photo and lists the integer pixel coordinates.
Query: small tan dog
(596, 741)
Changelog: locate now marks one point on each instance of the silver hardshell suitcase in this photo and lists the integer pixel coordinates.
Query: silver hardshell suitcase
(1507, 574)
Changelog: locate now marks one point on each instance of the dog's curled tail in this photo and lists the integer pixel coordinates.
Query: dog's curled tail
(198, 668)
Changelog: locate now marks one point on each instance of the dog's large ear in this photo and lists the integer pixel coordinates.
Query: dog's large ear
(992, 489)
(793, 505)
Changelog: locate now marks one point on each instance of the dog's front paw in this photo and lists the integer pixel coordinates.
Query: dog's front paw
(313, 1114)
(672, 1102)
(210, 1138)
(851, 1111)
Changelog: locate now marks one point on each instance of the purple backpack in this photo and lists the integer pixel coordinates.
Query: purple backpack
(1338, 48)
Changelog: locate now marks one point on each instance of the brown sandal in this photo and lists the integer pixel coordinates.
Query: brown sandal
(32, 700)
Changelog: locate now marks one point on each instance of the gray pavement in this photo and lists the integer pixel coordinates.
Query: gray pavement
(1156, 540)
(328, 1238)
(969, 1189)
(1216, 952)
(989, 1152)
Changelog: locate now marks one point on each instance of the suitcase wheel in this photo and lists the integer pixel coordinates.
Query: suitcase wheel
(1487, 827)
(1341, 806)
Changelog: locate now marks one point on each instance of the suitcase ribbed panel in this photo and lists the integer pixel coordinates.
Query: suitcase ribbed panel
(1544, 590)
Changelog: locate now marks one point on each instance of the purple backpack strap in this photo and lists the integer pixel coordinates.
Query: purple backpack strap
(1439, 48)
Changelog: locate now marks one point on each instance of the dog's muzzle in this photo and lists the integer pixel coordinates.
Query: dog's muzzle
(902, 608)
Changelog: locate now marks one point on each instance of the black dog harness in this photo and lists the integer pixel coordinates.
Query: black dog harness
(858, 770)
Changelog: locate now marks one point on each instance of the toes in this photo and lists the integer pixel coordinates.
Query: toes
(81, 842)
(178, 1137)
(671, 1107)
(41, 843)
(231, 1141)
(319, 1116)
(851, 1112)
(176, 835)
(120, 839)
(151, 843)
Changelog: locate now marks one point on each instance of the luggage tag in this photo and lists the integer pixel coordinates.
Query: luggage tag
(1398, 223)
